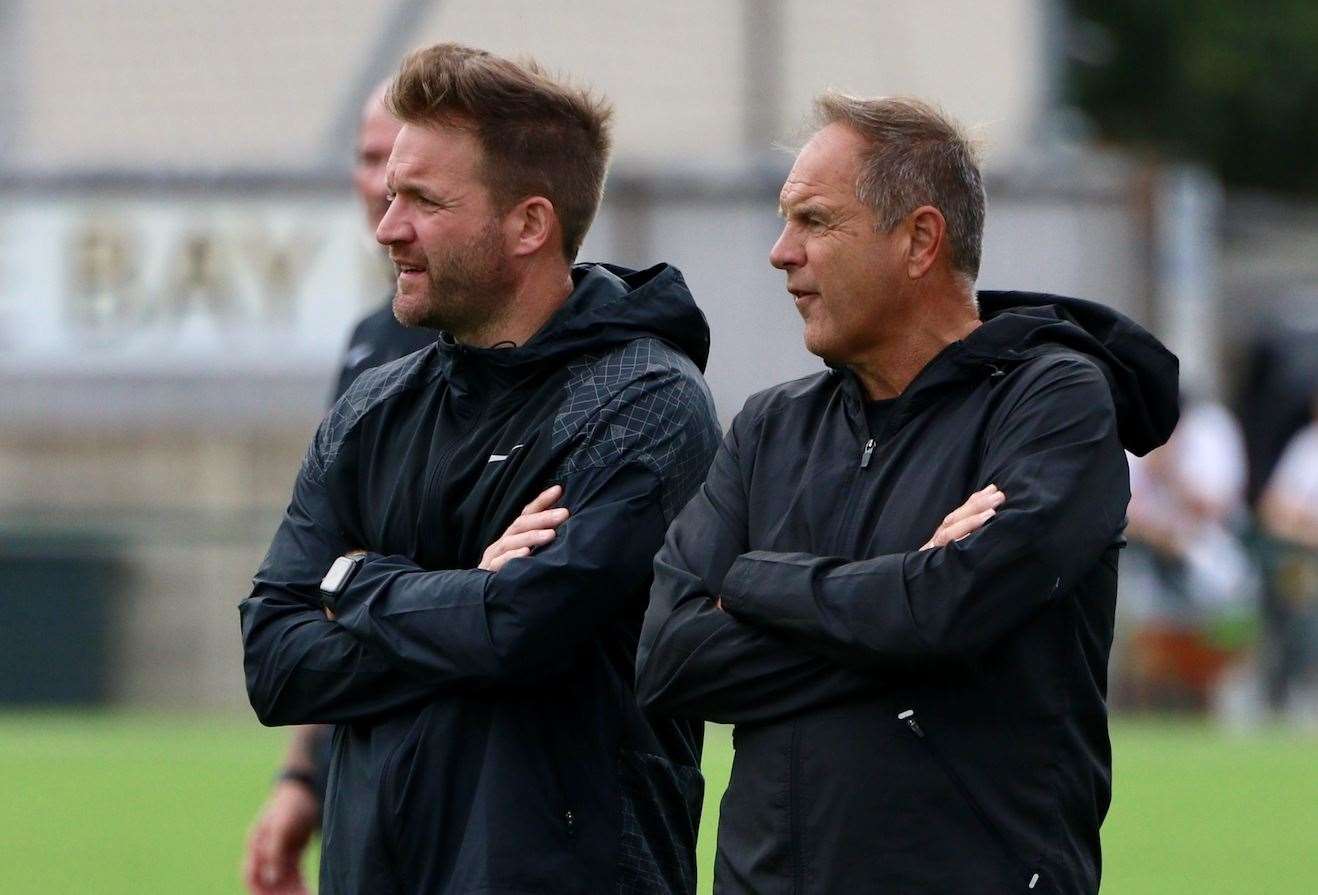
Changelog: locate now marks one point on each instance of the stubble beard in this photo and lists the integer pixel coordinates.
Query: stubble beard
(468, 289)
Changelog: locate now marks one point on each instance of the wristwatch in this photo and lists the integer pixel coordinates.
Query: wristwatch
(336, 579)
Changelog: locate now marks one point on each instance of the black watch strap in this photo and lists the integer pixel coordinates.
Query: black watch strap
(306, 778)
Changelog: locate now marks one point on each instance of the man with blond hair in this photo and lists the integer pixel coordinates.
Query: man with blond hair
(917, 677)
(459, 581)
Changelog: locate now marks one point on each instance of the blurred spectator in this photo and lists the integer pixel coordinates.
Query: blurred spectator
(1187, 561)
(1279, 371)
(291, 814)
(1289, 508)
(1186, 510)
(1288, 517)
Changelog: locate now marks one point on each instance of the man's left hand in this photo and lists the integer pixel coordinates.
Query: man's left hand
(534, 528)
(967, 518)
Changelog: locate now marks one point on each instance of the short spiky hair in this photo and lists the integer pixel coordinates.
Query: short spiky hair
(917, 156)
(540, 137)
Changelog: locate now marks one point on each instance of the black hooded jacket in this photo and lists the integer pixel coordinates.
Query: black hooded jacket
(915, 721)
(488, 737)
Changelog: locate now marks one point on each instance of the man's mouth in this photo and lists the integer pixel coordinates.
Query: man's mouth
(405, 269)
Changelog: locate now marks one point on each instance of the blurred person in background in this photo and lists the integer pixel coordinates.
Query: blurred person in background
(1194, 483)
(1188, 563)
(291, 814)
(1288, 515)
(1280, 367)
(917, 678)
(378, 337)
(460, 579)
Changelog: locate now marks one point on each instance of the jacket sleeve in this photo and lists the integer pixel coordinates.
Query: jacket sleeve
(1055, 453)
(642, 452)
(697, 661)
(300, 667)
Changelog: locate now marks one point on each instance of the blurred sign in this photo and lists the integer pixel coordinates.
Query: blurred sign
(182, 285)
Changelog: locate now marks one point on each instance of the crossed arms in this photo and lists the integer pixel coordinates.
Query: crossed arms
(737, 635)
(404, 635)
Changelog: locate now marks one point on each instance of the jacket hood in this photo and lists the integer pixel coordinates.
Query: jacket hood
(1141, 372)
(609, 306)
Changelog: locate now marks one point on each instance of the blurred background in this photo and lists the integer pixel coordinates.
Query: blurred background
(182, 259)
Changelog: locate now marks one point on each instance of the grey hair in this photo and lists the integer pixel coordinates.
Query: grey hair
(917, 156)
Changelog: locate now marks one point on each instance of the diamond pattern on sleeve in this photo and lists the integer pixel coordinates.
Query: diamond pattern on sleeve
(371, 388)
(644, 402)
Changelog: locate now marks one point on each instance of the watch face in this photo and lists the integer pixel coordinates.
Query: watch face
(337, 576)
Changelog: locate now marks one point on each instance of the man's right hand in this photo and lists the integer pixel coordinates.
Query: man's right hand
(279, 838)
(967, 518)
(533, 528)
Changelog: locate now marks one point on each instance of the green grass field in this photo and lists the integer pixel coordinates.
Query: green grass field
(133, 804)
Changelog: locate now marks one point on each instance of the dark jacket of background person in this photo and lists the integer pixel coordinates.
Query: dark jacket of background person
(489, 739)
(915, 721)
(377, 339)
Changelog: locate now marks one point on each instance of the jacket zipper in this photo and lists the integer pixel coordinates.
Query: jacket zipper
(439, 472)
(908, 717)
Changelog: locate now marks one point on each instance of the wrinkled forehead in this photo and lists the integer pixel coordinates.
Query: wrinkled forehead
(828, 166)
(799, 189)
(435, 151)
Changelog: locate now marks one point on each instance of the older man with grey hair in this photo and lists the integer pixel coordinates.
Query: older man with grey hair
(917, 678)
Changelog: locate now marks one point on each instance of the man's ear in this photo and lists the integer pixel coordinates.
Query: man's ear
(530, 224)
(927, 227)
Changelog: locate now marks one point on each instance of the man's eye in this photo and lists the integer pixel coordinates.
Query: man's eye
(390, 197)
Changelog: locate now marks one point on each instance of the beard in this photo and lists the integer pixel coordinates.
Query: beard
(468, 288)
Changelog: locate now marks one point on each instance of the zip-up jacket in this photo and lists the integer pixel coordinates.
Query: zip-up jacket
(488, 738)
(913, 720)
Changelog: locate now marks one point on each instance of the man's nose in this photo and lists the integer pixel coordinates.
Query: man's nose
(786, 252)
(393, 227)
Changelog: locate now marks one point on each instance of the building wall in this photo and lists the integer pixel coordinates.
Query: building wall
(148, 83)
(144, 83)
(188, 513)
